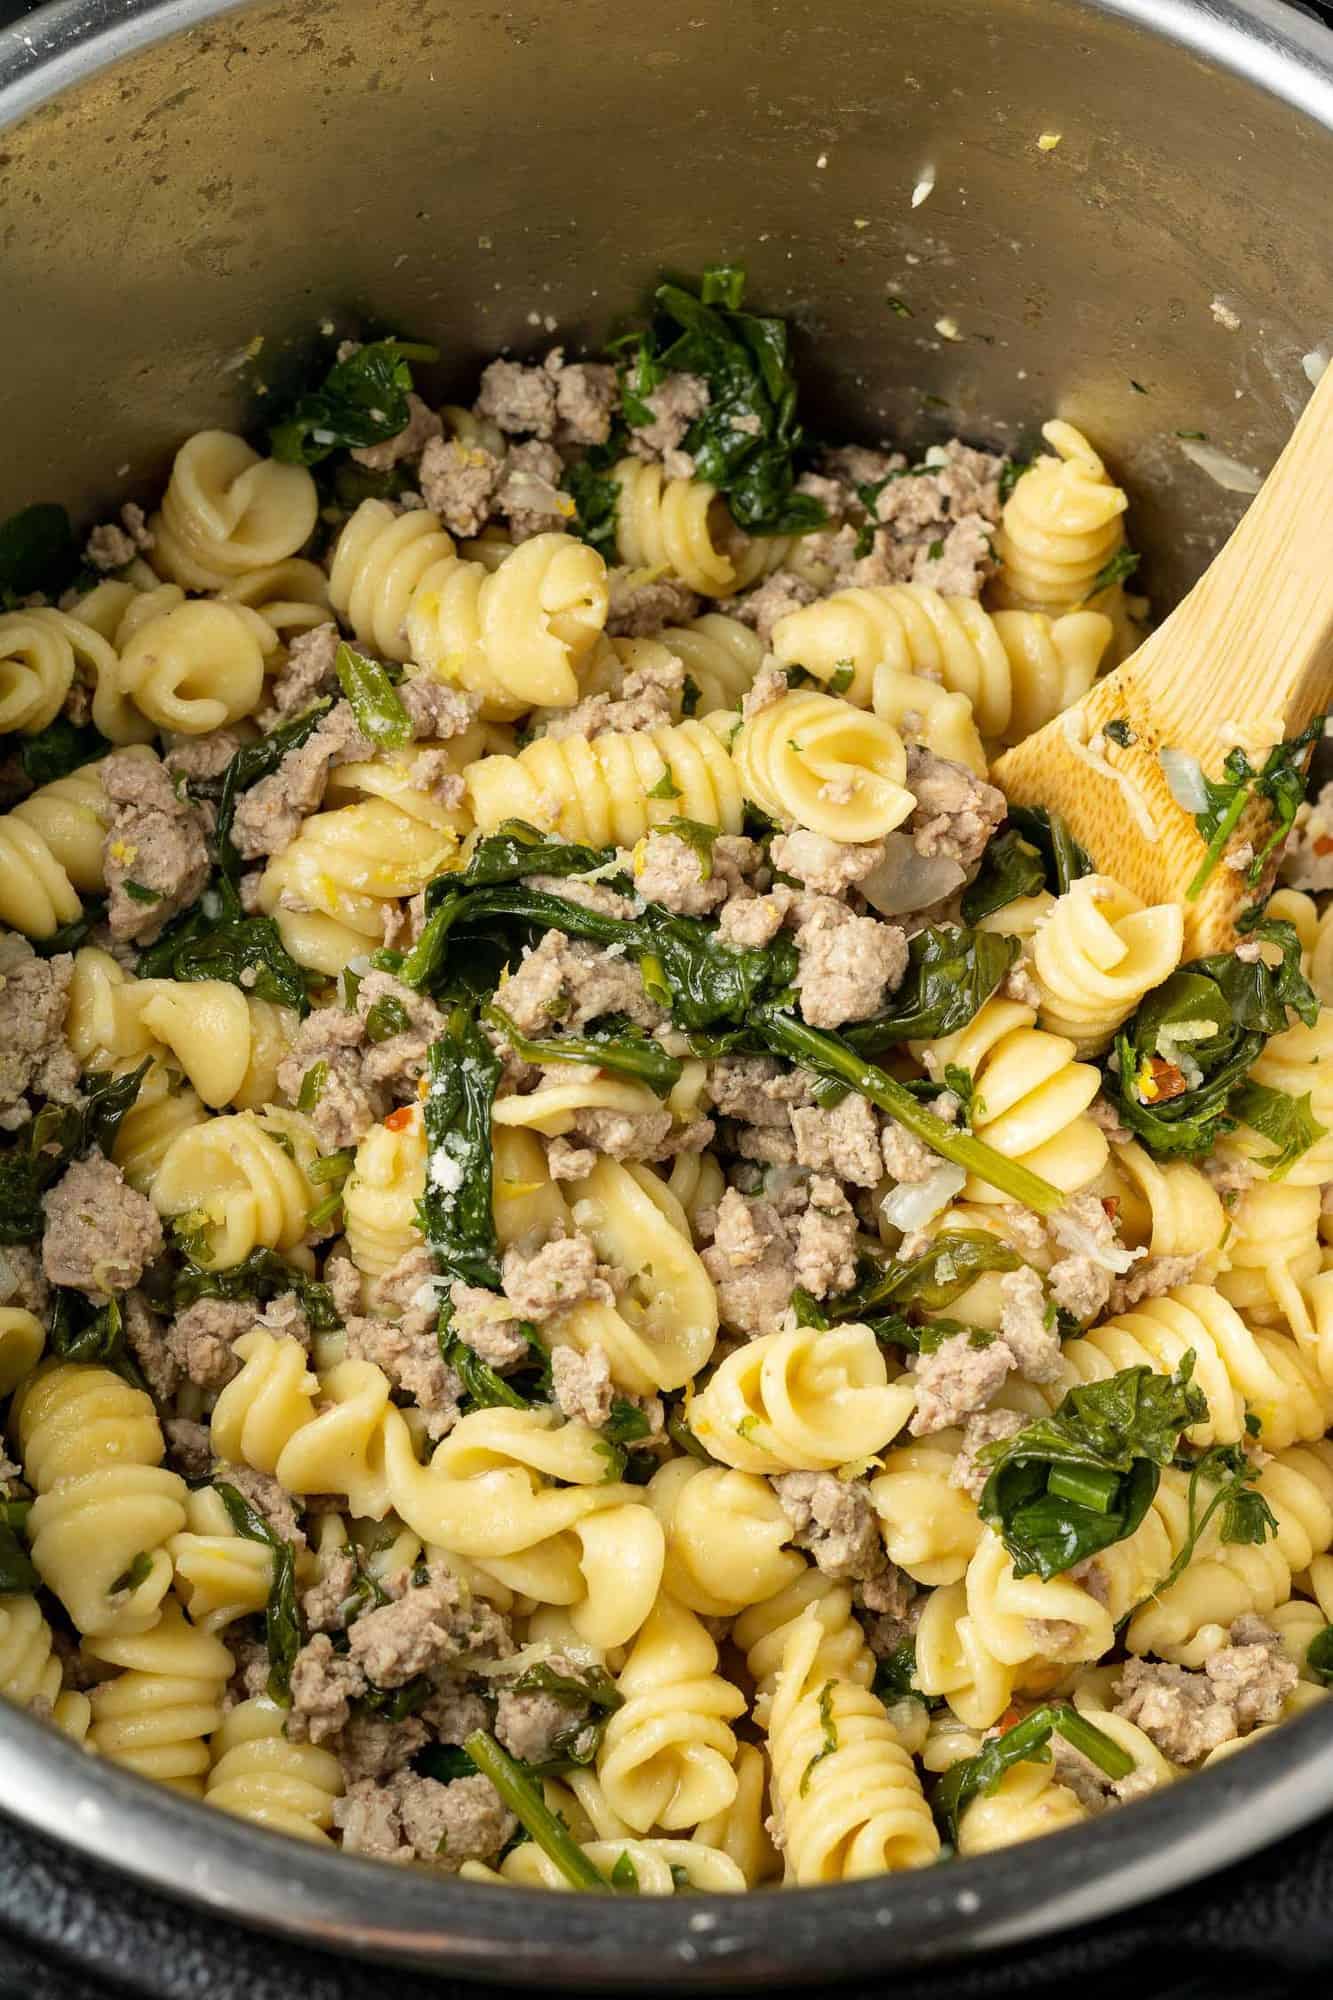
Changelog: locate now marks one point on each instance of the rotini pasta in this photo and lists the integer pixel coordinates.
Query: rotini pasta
(241, 1180)
(801, 1400)
(668, 1756)
(156, 1716)
(612, 787)
(258, 1775)
(1096, 955)
(227, 511)
(818, 762)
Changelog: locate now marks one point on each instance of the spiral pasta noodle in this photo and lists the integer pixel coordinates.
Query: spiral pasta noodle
(931, 1528)
(92, 1451)
(259, 1776)
(1028, 1801)
(1017, 669)
(668, 1756)
(381, 1193)
(1061, 525)
(720, 656)
(379, 560)
(30, 1673)
(227, 511)
(614, 787)
(1096, 955)
(22, 1338)
(332, 889)
(197, 668)
(801, 1400)
(678, 525)
(243, 1181)
(1168, 1207)
(1273, 1254)
(51, 850)
(219, 1576)
(726, 1537)
(819, 762)
(156, 1716)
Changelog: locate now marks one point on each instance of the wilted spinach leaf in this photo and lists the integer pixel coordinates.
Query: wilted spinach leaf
(361, 401)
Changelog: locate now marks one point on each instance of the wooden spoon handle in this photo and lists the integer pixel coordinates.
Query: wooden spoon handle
(1248, 656)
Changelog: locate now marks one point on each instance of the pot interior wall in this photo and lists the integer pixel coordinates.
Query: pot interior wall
(479, 175)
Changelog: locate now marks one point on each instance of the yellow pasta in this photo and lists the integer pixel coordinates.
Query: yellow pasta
(668, 1755)
(156, 1715)
(815, 761)
(227, 511)
(259, 1776)
(1062, 524)
(381, 1193)
(241, 1180)
(613, 787)
(1096, 955)
(801, 1399)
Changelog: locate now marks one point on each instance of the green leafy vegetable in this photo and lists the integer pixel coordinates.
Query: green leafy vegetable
(388, 1017)
(895, 1675)
(516, 850)
(1011, 867)
(829, 1729)
(1318, 1654)
(1119, 733)
(831, 1055)
(1280, 782)
(930, 1281)
(483, 1386)
(60, 748)
(1288, 1121)
(698, 836)
(520, 1793)
(1121, 566)
(138, 1572)
(666, 786)
(1062, 857)
(745, 442)
(282, 1617)
(626, 1423)
(444, 1762)
(37, 553)
(79, 1332)
(625, 1876)
(596, 498)
(375, 703)
(1073, 1483)
(1245, 1515)
(951, 974)
(361, 401)
(454, 1213)
(1026, 1742)
(17, 1573)
(262, 1276)
(59, 1134)
(576, 1745)
(624, 1048)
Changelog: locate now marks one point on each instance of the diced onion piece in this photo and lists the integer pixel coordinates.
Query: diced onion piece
(913, 1204)
(906, 880)
(1184, 780)
(1227, 472)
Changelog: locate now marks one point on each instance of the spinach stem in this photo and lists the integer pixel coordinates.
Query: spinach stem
(532, 1812)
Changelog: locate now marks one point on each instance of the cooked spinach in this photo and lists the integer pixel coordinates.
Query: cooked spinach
(1025, 1743)
(375, 702)
(522, 1795)
(282, 1616)
(747, 440)
(516, 850)
(1289, 1122)
(1318, 1654)
(1062, 857)
(1120, 567)
(895, 1676)
(596, 495)
(1075, 1482)
(361, 401)
(1010, 867)
(454, 1213)
(622, 1047)
(261, 1276)
(63, 746)
(56, 1136)
(1279, 781)
(37, 553)
(951, 974)
(17, 1572)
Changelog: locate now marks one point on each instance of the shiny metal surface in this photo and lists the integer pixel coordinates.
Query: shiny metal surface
(179, 178)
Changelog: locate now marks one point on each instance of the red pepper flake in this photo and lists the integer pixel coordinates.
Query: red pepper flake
(1167, 1080)
(1324, 844)
(398, 1121)
(1111, 1206)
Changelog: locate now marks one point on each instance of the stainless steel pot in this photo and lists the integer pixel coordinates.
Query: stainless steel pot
(178, 177)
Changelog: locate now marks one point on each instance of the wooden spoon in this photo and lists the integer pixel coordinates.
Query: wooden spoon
(1246, 658)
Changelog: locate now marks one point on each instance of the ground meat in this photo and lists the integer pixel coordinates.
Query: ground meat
(672, 872)
(519, 399)
(394, 1064)
(201, 1339)
(100, 1234)
(906, 1158)
(778, 594)
(843, 1140)
(1188, 1714)
(156, 840)
(960, 564)
(251, 1672)
(826, 1241)
(848, 965)
(957, 1379)
(560, 1275)
(529, 495)
(452, 1713)
(1018, 984)
(412, 1361)
(26, 1279)
(267, 1497)
(1107, 1119)
(982, 1429)
(768, 687)
(308, 671)
(408, 1818)
(373, 1747)
(833, 1518)
(114, 544)
(751, 1263)
(585, 396)
(480, 1322)
(268, 816)
(425, 1627)
(422, 425)
(955, 813)
(828, 867)
(572, 983)
(325, 1605)
(189, 1447)
(581, 1384)
(145, 1336)
(675, 404)
(346, 1105)
(1024, 1328)
(531, 1726)
(459, 482)
(936, 523)
(567, 1161)
(324, 1685)
(203, 756)
(1080, 1285)
(34, 1056)
(649, 696)
(748, 923)
(1150, 1280)
(757, 1090)
(1307, 860)
(436, 712)
(640, 608)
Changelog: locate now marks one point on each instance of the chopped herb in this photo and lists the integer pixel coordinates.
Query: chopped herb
(375, 702)
(388, 1017)
(138, 1572)
(139, 893)
(1119, 732)
(935, 551)
(623, 1048)
(312, 1085)
(1200, 436)
(829, 1727)
(1318, 1654)
(1010, 473)
(690, 696)
(899, 306)
(361, 401)
(457, 1222)
(666, 786)
(698, 836)
(1279, 782)
(624, 1876)
(626, 1422)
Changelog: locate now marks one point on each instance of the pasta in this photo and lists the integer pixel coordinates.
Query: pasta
(599, 1242)
(820, 763)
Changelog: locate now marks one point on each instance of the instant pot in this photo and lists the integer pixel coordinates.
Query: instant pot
(187, 189)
